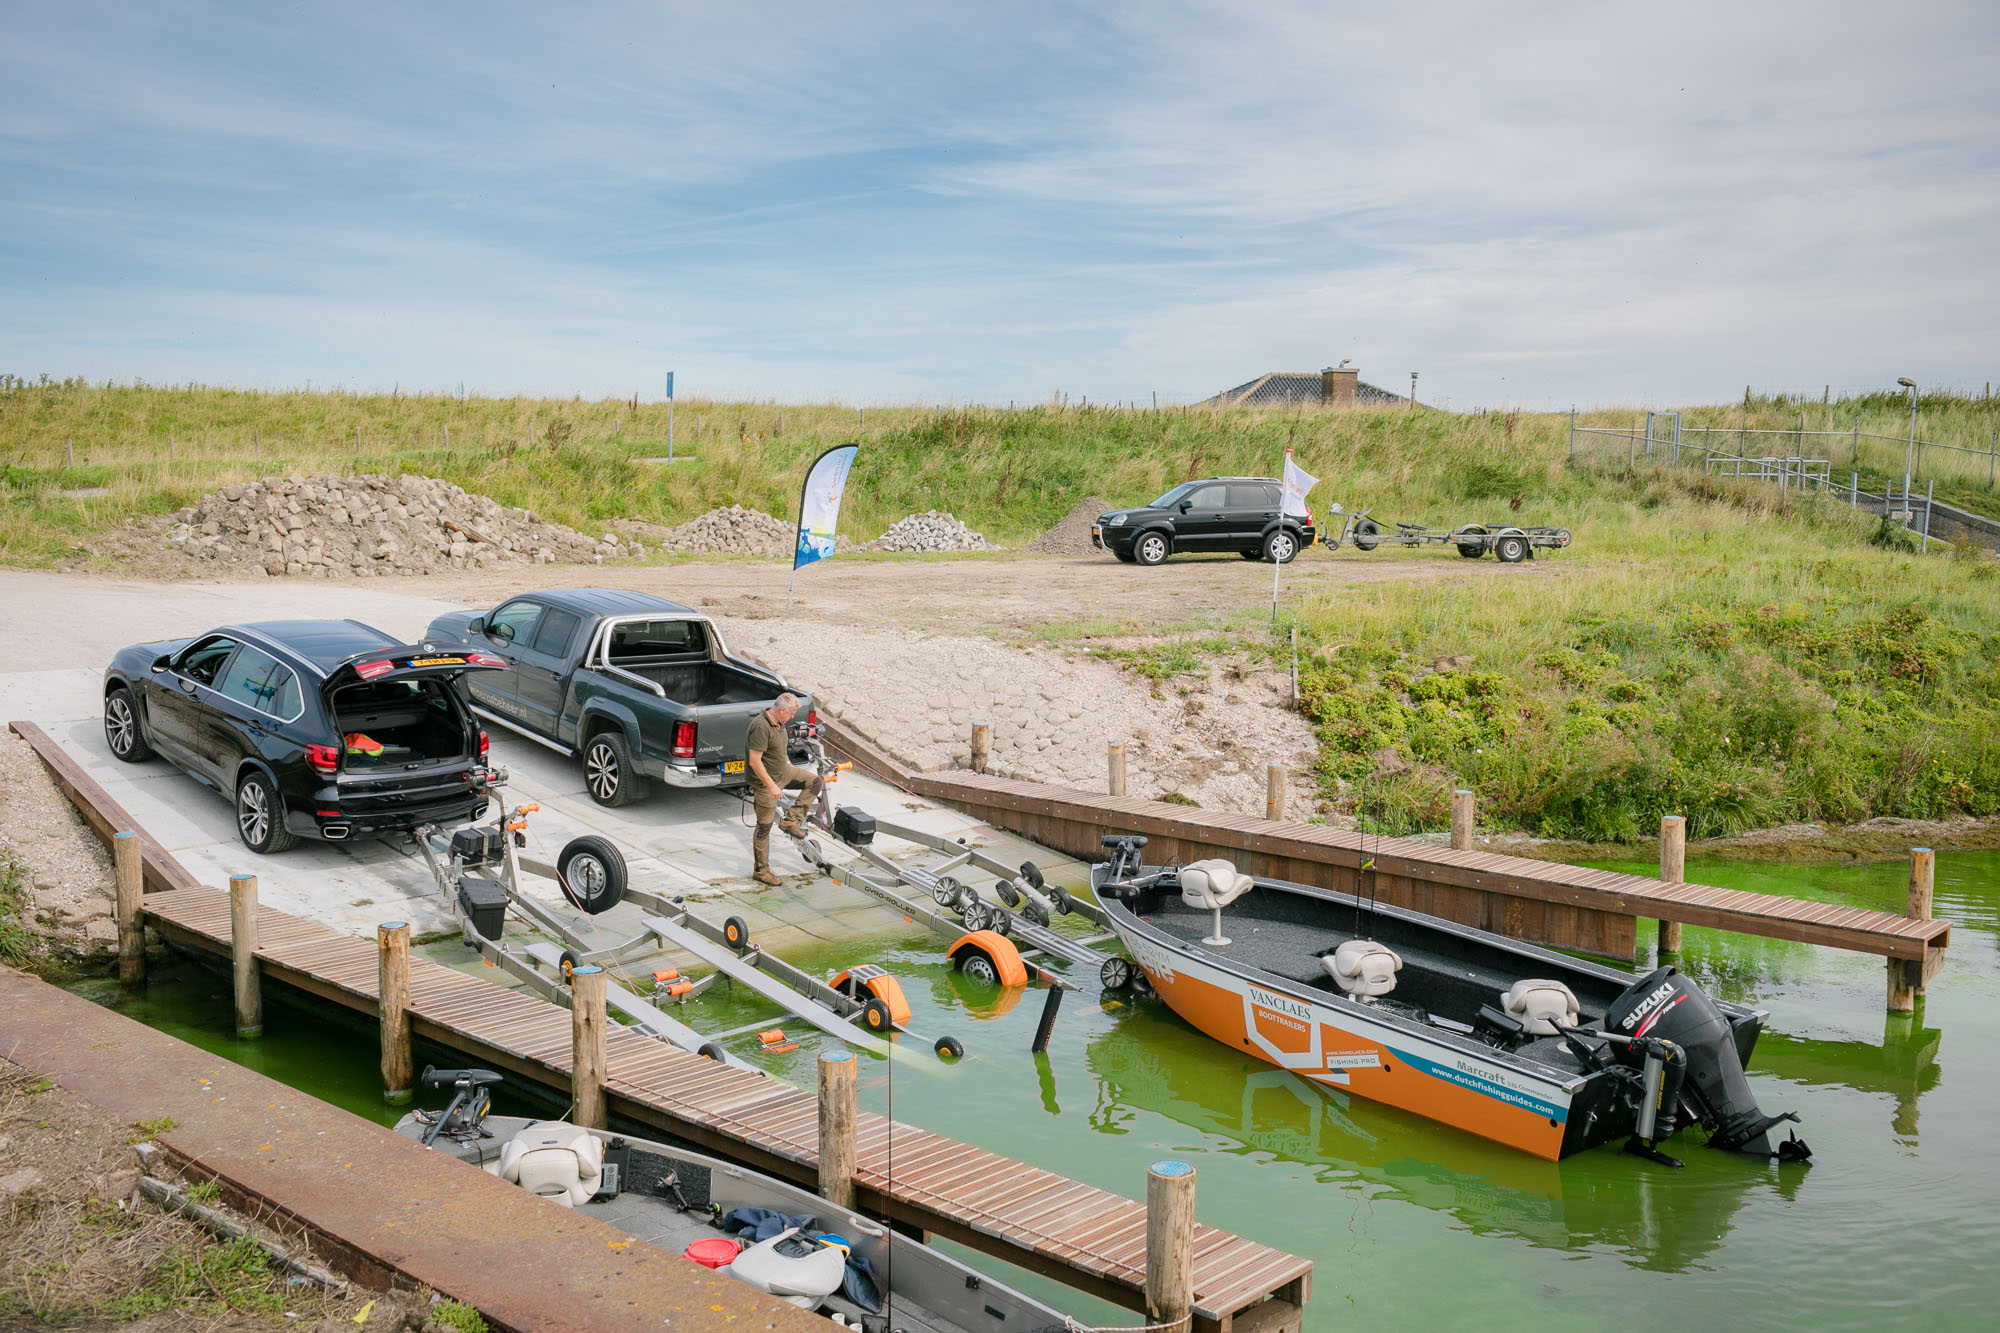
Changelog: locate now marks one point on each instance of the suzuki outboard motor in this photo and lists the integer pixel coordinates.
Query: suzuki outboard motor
(1666, 1006)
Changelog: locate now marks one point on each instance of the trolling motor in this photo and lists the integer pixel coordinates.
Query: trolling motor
(469, 1104)
(1666, 1028)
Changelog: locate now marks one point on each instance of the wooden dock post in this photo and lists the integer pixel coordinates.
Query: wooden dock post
(1462, 805)
(587, 1057)
(1274, 791)
(1673, 870)
(243, 955)
(1114, 753)
(837, 1154)
(392, 991)
(982, 745)
(1169, 1244)
(129, 873)
(1906, 975)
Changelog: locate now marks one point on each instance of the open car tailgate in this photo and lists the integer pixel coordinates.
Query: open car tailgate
(409, 662)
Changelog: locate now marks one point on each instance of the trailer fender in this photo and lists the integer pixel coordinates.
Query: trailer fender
(998, 951)
(873, 981)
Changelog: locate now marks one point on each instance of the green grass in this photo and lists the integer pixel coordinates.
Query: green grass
(1716, 649)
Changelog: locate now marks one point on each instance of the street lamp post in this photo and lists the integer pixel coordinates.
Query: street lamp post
(1909, 454)
(1413, 388)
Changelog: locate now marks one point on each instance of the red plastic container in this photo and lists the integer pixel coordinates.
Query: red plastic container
(716, 1252)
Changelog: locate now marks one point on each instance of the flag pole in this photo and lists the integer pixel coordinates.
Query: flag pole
(1277, 565)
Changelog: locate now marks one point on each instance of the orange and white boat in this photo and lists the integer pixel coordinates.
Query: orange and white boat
(1514, 1043)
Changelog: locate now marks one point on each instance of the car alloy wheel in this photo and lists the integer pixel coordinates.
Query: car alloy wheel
(601, 771)
(1151, 550)
(253, 813)
(120, 727)
(1281, 548)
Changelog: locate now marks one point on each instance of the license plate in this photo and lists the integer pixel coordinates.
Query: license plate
(1097, 532)
(733, 766)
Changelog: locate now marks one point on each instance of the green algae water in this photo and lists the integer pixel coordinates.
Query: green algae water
(1411, 1225)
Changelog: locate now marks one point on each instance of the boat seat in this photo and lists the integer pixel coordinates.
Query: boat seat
(805, 1279)
(1212, 885)
(558, 1161)
(1540, 1005)
(1363, 967)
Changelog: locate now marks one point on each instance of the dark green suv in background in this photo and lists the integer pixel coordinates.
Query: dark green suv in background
(1244, 515)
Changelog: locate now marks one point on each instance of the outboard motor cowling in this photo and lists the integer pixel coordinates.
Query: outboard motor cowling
(1668, 1007)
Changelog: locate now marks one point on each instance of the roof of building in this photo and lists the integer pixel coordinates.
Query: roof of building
(1295, 389)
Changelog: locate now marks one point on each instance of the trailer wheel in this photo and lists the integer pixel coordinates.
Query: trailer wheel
(1471, 550)
(736, 933)
(1367, 536)
(945, 892)
(710, 1050)
(594, 870)
(1511, 548)
(1116, 974)
(568, 963)
(949, 1048)
(978, 964)
(875, 1016)
(1141, 983)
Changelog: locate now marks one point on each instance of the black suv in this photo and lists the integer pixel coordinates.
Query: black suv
(324, 729)
(1240, 514)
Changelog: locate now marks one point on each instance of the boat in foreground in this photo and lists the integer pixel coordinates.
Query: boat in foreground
(1517, 1044)
(800, 1247)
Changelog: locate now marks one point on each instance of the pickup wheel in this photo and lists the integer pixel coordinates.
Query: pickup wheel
(609, 774)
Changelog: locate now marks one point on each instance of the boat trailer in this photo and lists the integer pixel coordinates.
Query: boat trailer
(1508, 543)
(480, 872)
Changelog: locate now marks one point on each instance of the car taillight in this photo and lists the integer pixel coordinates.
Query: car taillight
(370, 670)
(484, 746)
(323, 758)
(683, 740)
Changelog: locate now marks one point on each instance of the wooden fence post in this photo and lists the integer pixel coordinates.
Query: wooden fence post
(1673, 870)
(392, 993)
(587, 1058)
(1169, 1244)
(129, 874)
(1274, 791)
(1115, 755)
(837, 1160)
(1906, 975)
(1463, 804)
(243, 955)
(982, 745)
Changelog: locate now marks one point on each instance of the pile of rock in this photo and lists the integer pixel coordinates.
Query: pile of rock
(732, 531)
(1071, 536)
(932, 530)
(327, 526)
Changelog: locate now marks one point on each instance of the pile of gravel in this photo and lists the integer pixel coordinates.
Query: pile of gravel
(932, 530)
(1071, 536)
(328, 526)
(732, 531)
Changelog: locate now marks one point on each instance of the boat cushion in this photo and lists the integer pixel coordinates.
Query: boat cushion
(804, 1279)
(1212, 883)
(1540, 1005)
(555, 1160)
(1363, 967)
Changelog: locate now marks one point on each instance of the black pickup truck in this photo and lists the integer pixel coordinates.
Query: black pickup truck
(638, 689)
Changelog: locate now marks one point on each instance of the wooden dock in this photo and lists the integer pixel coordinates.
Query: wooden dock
(1569, 907)
(1087, 1237)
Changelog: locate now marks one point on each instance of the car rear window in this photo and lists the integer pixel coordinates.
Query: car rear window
(637, 640)
(1253, 495)
(558, 628)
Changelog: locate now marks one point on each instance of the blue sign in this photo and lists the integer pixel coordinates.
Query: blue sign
(670, 384)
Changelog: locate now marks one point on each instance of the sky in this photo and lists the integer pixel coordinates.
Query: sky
(1531, 206)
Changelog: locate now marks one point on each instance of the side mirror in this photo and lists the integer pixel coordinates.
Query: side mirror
(1186, 505)
(476, 625)
(162, 662)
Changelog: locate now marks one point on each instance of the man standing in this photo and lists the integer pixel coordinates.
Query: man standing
(772, 769)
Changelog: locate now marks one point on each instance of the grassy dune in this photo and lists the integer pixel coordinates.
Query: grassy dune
(1715, 649)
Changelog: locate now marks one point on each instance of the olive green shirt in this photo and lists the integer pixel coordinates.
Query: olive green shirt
(768, 739)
